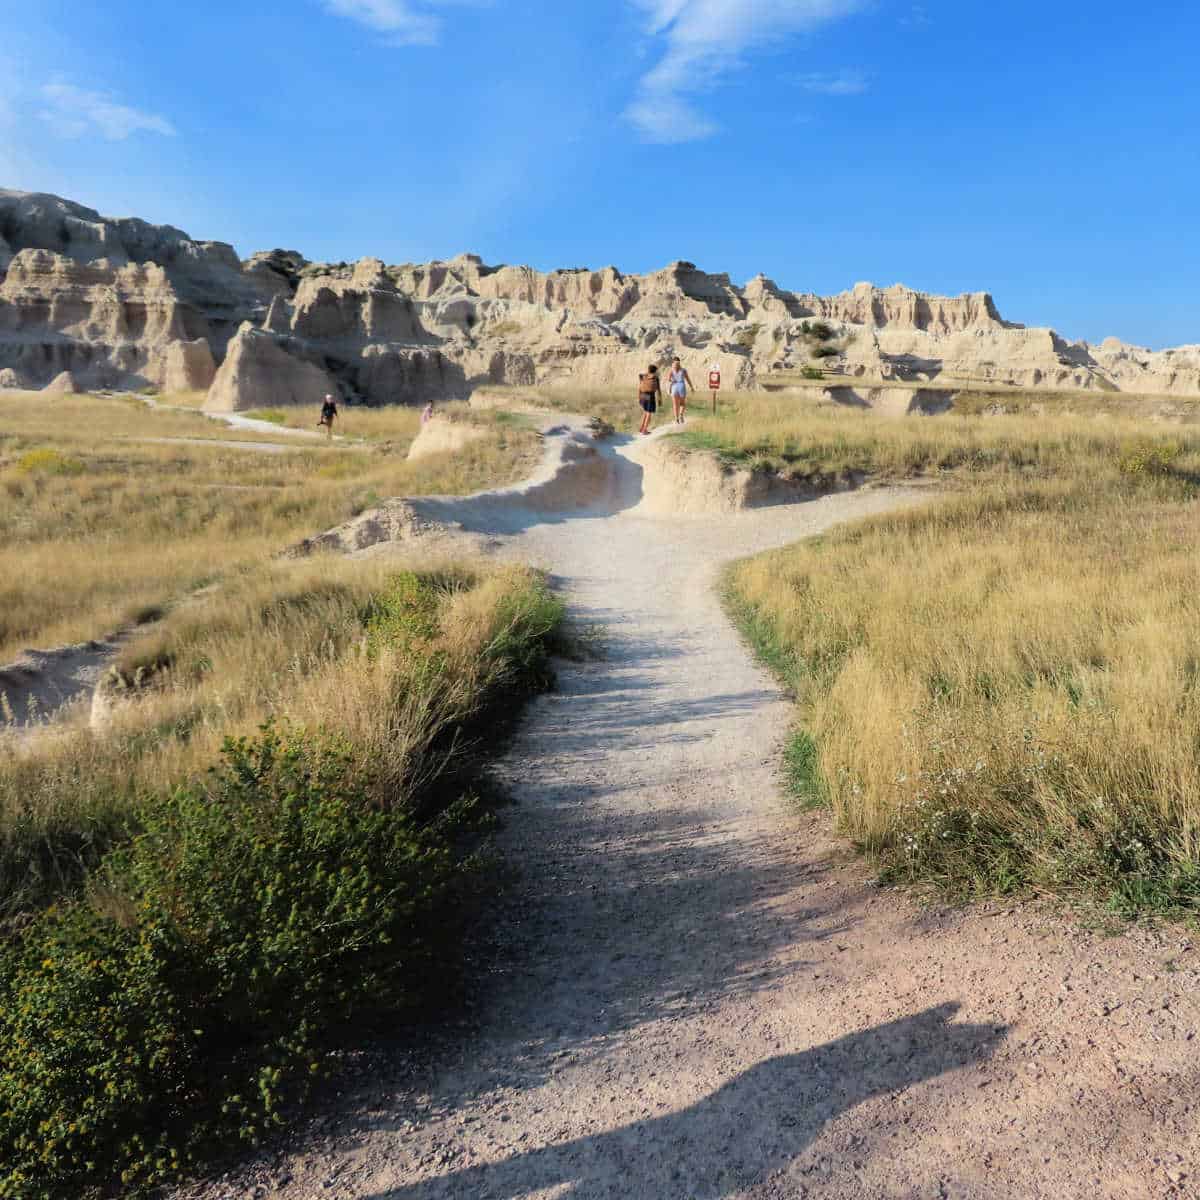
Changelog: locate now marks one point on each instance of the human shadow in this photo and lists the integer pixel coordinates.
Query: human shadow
(747, 1130)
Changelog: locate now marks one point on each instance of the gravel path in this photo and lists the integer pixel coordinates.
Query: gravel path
(705, 995)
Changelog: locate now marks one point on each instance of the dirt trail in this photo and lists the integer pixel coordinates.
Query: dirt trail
(705, 995)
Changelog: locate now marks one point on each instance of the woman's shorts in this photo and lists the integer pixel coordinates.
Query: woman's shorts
(679, 391)
(649, 403)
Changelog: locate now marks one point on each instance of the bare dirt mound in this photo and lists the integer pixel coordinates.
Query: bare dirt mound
(682, 482)
(440, 436)
(36, 687)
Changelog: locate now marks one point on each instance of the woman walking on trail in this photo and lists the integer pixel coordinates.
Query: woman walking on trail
(649, 390)
(680, 382)
(328, 416)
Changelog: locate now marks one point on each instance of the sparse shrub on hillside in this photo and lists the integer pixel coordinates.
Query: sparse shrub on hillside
(746, 338)
(47, 461)
(813, 373)
(825, 352)
(1148, 457)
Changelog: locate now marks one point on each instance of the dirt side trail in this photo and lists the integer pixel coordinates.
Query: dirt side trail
(705, 995)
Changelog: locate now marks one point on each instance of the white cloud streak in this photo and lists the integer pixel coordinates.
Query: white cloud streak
(706, 40)
(75, 112)
(400, 22)
(844, 83)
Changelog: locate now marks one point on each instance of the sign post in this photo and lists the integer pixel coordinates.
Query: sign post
(714, 384)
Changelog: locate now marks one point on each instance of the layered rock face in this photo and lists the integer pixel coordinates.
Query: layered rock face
(117, 302)
(94, 302)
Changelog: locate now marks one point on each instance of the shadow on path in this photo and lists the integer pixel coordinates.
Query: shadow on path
(747, 1130)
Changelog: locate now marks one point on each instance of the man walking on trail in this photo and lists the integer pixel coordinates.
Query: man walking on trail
(329, 414)
(649, 390)
(680, 382)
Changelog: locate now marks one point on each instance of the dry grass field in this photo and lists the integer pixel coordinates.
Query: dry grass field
(1000, 690)
(100, 525)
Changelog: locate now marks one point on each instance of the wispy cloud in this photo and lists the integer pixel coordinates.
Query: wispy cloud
(400, 22)
(74, 112)
(707, 39)
(843, 83)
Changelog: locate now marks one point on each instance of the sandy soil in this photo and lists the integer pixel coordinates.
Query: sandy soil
(702, 993)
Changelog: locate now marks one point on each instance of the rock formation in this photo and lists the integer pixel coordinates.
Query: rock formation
(122, 303)
(258, 371)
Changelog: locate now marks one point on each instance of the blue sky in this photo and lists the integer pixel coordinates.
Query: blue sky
(1047, 152)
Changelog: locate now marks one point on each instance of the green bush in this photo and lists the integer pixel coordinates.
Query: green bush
(813, 373)
(189, 998)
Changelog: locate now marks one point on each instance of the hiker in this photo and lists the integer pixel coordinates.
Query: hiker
(328, 416)
(649, 390)
(427, 413)
(680, 381)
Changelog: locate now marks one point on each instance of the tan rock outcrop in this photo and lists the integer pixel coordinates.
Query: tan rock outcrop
(61, 385)
(120, 302)
(186, 367)
(258, 371)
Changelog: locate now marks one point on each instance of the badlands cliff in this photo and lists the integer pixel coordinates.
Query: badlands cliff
(93, 302)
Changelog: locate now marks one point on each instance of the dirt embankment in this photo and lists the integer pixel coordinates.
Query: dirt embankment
(442, 436)
(686, 482)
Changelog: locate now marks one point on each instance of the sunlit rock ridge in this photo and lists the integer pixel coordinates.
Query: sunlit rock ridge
(90, 302)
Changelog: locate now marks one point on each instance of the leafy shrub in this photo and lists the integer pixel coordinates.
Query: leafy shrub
(813, 373)
(49, 462)
(407, 615)
(190, 997)
(1148, 458)
(825, 352)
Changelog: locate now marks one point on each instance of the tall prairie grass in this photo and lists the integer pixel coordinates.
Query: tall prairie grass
(296, 643)
(98, 525)
(1003, 687)
(826, 442)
